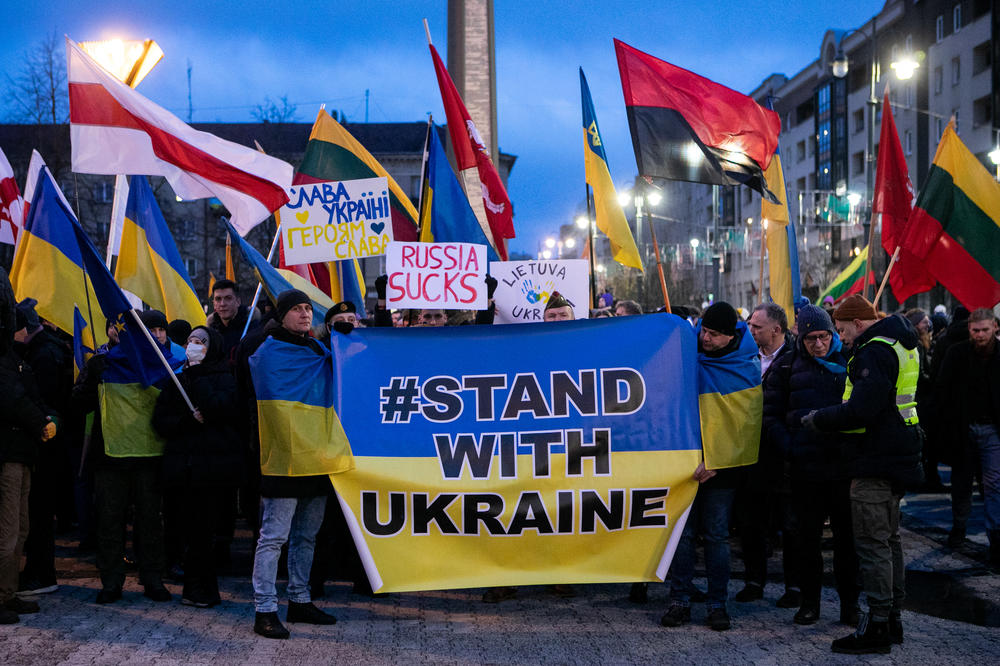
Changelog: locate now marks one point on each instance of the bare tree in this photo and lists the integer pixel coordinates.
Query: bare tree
(270, 111)
(38, 94)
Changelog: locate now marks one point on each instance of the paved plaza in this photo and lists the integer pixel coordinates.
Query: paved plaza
(954, 597)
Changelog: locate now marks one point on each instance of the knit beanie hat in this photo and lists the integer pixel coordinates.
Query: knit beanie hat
(153, 319)
(813, 318)
(854, 307)
(26, 315)
(288, 300)
(720, 317)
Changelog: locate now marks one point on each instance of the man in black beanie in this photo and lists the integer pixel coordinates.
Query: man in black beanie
(293, 506)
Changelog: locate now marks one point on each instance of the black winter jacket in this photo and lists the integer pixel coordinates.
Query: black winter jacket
(794, 385)
(888, 449)
(209, 454)
(953, 385)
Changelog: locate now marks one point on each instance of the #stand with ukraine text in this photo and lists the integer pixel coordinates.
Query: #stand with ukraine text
(484, 456)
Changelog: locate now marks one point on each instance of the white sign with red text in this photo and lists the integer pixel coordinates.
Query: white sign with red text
(450, 276)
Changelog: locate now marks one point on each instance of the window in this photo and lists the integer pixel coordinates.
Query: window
(956, 70)
(824, 137)
(191, 265)
(958, 129)
(956, 17)
(909, 44)
(939, 28)
(858, 118)
(908, 142)
(894, 53)
(183, 229)
(788, 121)
(800, 184)
(981, 58)
(858, 163)
(908, 94)
(104, 192)
(982, 111)
(823, 100)
(812, 146)
(800, 151)
(938, 79)
(939, 127)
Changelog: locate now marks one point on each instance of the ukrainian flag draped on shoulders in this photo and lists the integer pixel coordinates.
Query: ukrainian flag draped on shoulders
(300, 432)
(731, 403)
(127, 405)
(149, 264)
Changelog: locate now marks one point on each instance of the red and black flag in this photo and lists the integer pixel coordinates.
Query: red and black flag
(686, 127)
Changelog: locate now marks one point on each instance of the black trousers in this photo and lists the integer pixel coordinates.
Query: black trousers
(203, 508)
(813, 501)
(117, 488)
(40, 546)
(758, 511)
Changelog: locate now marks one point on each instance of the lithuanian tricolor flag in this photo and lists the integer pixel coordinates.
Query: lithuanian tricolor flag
(850, 280)
(954, 228)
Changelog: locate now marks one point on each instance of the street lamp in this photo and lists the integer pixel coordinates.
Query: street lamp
(546, 254)
(130, 60)
(582, 222)
(550, 242)
(853, 198)
(840, 67)
(570, 243)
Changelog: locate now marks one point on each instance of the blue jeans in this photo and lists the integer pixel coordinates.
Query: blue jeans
(297, 519)
(987, 442)
(709, 516)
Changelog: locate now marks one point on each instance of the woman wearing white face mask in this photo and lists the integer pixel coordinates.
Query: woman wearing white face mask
(203, 459)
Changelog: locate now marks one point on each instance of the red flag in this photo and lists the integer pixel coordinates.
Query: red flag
(11, 203)
(474, 164)
(894, 200)
(686, 127)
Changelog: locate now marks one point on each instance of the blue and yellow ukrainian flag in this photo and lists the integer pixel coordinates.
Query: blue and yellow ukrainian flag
(81, 352)
(347, 283)
(48, 264)
(127, 403)
(446, 215)
(300, 432)
(782, 250)
(149, 264)
(610, 218)
(731, 403)
(275, 282)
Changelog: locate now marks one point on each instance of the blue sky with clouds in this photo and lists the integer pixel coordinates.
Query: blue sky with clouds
(332, 51)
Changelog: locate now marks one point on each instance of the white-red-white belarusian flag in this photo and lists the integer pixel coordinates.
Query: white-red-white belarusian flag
(115, 130)
(11, 204)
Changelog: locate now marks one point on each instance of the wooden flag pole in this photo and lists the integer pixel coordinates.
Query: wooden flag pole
(659, 264)
(763, 248)
(885, 278)
(590, 245)
(869, 257)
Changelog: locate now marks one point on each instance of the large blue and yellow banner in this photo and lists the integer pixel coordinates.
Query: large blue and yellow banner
(487, 456)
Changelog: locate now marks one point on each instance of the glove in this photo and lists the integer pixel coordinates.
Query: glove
(380, 284)
(809, 421)
(344, 327)
(491, 286)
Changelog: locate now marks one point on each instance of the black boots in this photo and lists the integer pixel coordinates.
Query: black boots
(269, 626)
(308, 613)
(870, 638)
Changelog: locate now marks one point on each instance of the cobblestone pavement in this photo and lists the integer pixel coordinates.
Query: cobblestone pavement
(598, 626)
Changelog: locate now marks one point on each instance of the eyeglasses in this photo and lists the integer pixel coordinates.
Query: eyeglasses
(813, 338)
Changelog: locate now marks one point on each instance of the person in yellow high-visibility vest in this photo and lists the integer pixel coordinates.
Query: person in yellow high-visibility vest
(878, 417)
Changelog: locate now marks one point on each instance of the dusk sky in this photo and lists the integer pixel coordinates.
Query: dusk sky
(316, 52)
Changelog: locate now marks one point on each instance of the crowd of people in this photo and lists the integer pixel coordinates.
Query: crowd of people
(859, 407)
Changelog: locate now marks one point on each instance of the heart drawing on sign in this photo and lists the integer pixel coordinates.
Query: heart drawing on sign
(302, 217)
(377, 228)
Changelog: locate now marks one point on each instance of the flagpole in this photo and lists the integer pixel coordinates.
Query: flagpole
(659, 265)
(590, 243)
(868, 258)
(763, 248)
(885, 278)
(256, 294)
(423, 176)
(156, 348)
